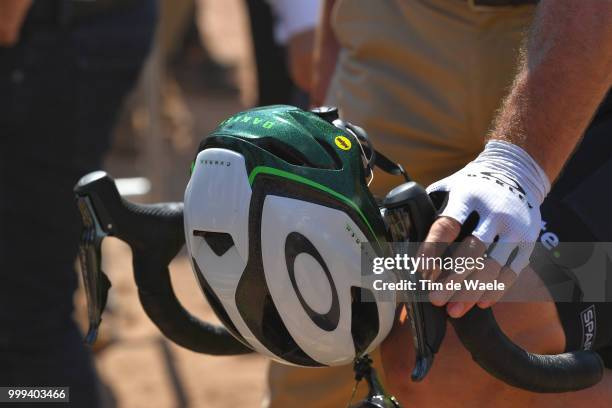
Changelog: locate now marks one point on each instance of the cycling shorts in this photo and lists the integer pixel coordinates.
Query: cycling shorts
(577, 210)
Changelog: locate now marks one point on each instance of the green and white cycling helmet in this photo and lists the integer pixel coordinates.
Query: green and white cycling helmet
(275, 213)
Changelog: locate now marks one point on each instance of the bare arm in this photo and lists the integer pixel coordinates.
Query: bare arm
(325, 55)
(12, 14)
(300, 49)
(564, 74)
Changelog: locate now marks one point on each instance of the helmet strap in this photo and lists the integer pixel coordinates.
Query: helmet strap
(373, 157)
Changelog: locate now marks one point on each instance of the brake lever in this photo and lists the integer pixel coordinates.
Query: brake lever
(155, 235)
(397, 221)
(95, 281)
(408, 215)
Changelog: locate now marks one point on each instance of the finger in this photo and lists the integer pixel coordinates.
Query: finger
(506, 276)
(461, 302)
(470, 248)
(485, 232)
(444, 229)
(501, 251)
(522, 257)
(453, 206)
(442, 232)
(457, 309)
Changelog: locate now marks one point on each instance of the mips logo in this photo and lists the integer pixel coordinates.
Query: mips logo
(342, 142)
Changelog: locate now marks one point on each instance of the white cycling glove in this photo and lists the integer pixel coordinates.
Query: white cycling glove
(505, 187)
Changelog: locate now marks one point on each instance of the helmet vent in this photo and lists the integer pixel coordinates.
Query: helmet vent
(332, 153)
(284, 151)
(219, 242)
(364, 318)
(293, 156)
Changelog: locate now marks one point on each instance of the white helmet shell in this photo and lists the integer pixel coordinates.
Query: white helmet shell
(281, 270)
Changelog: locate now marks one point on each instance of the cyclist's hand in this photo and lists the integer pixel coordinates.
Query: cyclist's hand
(502, 189)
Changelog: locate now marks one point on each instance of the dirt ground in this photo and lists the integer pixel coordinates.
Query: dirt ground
(143, 369)
(139, 366)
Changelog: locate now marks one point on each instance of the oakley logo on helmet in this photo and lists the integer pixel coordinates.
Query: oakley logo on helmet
(295, 245)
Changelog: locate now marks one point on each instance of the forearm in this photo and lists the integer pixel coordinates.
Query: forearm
(300, 50)
(12, 14)
(565, 71)
(325, 54)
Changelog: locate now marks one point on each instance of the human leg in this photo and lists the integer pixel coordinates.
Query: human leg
(60, 90)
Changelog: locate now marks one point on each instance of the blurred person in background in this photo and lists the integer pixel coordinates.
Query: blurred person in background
(185, 53)
(294, 29)
(65, 67)
(424, 78)
(283, 34)
(181, 65)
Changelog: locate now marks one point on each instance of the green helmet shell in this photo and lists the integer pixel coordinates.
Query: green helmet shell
(299, 146)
